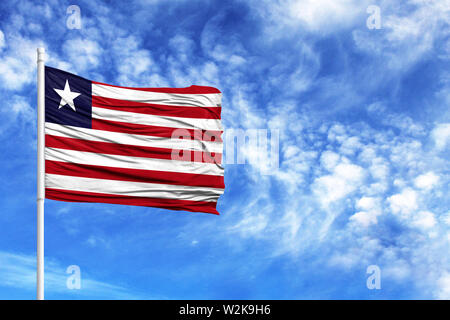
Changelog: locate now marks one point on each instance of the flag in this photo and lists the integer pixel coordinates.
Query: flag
(155, 147)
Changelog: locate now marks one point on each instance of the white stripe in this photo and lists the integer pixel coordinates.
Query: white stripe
(131, 139)
(173, 99)
(135, 189)
(153, 120)
(112, 160)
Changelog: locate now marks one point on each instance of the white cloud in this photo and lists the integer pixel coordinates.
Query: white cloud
(370, 209)
(17, 115)
(426, 181)
(337, 133)
(424, 220)
(350, 146)
(379, 168)
(367, 203)
(84, 54)
(404, 203)
(444, 287)
(132, 61)
(446, 218)
(251, 225)
(18, 62)
(320, 16)
(183, 47)
(398, 269)
(364, 218)
(324, 15)
(329, 160)
(441, 135)
(408, 34)
(21, 108)
(367, 154)
(346, 178)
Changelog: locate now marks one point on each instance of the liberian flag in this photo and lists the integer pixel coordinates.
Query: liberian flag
(156, 147)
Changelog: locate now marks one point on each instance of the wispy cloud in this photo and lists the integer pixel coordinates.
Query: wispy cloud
(19, 271)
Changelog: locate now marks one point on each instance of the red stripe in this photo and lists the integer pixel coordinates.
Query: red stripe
(131, 150)
(136, 175)
(187, 90)
(157, 109)
(134, 128)
(172, 204)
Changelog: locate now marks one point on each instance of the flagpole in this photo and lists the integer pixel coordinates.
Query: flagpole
(40, 173)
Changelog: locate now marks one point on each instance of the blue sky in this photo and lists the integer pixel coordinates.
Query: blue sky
(364, 124)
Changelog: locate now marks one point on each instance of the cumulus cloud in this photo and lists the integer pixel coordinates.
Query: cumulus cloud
(329, 160)
(131, 60)
(444, 287)
(441, 135)
(360, 177)
(18, 117)
(424, 219)
(21, 108)
(18, 62)
(370, 208)
(83, 53)
(345, 178)
(183, 47)
(403, 203)
(426, 181)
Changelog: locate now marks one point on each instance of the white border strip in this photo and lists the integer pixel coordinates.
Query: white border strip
(173, 99)
(153, 120)
(118, 161)
(131, 139)
(131, 188)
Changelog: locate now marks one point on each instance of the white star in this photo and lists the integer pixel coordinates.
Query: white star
(67, 96)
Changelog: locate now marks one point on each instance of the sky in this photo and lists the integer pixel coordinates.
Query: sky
(363, 120)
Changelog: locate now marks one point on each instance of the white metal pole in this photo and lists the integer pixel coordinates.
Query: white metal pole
(40, 173)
